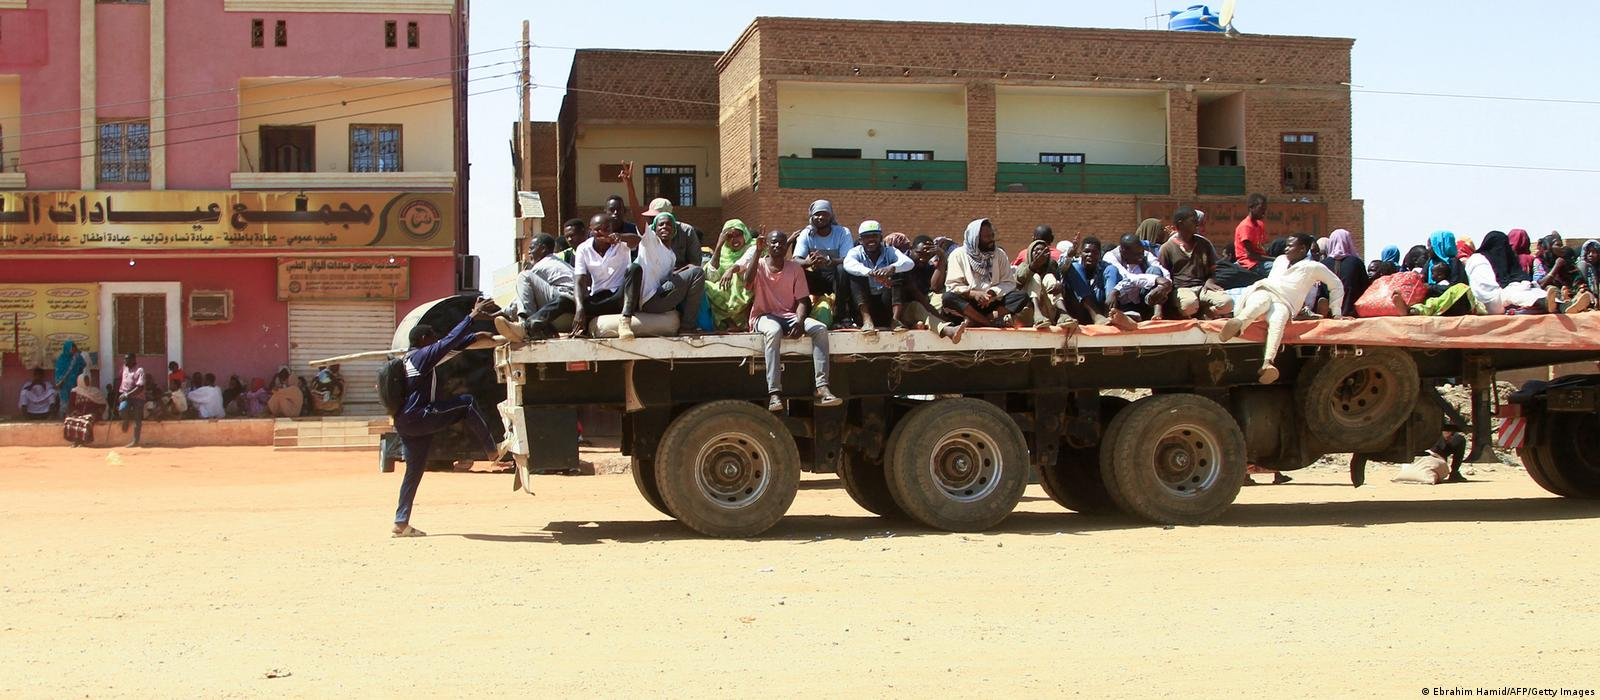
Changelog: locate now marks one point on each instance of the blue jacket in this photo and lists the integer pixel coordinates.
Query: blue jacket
(1084, 285)
(421, 362)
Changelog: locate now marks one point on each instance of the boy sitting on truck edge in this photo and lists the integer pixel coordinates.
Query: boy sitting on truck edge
(423, 416)
(1192, 261)
(781, 308)
(1282, 295)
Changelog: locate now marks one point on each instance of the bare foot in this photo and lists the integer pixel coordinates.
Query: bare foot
(1400, 304)
(1121, 322)
(1550, 302)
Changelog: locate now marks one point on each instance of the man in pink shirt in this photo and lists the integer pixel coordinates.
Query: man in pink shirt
(781, 308)
(132, 389)
(1250, 237)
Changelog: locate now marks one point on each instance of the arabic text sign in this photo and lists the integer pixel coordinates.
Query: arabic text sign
(344, 279)
(40, 317)
(178, 219)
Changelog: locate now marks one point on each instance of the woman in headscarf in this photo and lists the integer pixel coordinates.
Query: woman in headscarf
(1416, 259)
(69, 366)
(85, 405)
(1388, 263)
(1442, 251)
(285, 401)
(1496, 280)
(1151, 234)
(1589, 266)
(1346, 265)
(254, 401)
(1465, 248)
(729, 297)
(1520, 244)
(1554, 258)
(232, 394)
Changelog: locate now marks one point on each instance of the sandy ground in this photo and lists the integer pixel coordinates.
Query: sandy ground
(201, 572)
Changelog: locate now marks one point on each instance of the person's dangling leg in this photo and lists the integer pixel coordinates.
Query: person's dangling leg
(630, 300)
(771, 330)
(1255, 306)
(1278, 316)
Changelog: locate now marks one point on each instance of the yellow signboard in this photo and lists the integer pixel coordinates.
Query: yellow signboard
(36, 319)
(181, 219)
(344, 279)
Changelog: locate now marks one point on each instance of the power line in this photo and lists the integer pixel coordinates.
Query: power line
(1096, 77)
(382, 82)
(289, 81)
(235, 134)
(328, 105)
(998, 131)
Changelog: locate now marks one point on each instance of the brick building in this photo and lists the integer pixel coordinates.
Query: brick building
(925, 126)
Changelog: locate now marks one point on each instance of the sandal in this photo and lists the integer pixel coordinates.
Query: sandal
(407, 531)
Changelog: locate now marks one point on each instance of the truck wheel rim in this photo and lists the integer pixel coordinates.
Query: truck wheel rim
(732, 470)
(965, 465)
(1362, 394)
(1188, 460)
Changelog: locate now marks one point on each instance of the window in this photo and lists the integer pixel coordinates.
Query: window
(124, 153)
(675, 182)
(391, 37)
(835, 153)
(211, 306)
(280, 34)
(141, 323)
(1299, 158)
(258, 33)
(908, 155)
(1061, 158)
(413, 35)
(375, 148)
(610, 172)
(288, 149)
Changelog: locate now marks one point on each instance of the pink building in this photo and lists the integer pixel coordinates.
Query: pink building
(233, 185)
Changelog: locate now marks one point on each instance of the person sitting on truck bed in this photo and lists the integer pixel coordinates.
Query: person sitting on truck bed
(820, 248)
(925, 285)
(981, 286)
(1036, 277)
(573, 234)
(729, 297)
(601, 271)
(423, 415)
(1192, 261)
(544, 293)
(1136, 283)
(666, 283)
(1084, 288)
(1282, 295)
(877, 276)
(781, 308)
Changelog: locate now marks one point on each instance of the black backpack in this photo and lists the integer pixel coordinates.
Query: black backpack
(392, 385)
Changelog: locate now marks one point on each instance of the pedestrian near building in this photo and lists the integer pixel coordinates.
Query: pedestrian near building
(132, 390)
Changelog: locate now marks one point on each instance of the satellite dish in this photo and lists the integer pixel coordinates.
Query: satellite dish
(1226, 18)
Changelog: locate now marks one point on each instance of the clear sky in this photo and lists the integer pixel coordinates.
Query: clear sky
(1530, 49)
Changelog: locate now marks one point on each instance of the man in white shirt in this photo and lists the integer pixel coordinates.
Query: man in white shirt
(544, 293)
(1282, 295)
(877, 279)
(38, 397)
(601, 266)
(207, 398)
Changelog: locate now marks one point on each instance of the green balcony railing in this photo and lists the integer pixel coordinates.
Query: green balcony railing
(1224, 180)
(871, 174)
(1083, 179)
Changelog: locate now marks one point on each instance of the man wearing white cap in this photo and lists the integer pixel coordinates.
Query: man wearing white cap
(877, 278)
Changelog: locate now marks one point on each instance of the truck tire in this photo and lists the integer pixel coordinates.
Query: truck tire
(1357, 402)
(1560, 453)
(1074, 480)
(1174, 459)
(957, 464)
(727, 469)
(865, 481)
(644, 477)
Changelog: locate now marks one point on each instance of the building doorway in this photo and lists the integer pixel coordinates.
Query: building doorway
(144, 318)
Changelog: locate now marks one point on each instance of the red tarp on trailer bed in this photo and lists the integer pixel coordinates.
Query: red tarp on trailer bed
(1540, 332)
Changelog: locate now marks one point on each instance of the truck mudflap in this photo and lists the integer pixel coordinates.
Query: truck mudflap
(516, 442)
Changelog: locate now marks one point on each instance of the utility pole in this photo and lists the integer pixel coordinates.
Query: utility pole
(524, 145)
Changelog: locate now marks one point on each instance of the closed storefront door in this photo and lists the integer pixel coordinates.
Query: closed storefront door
(328, 329)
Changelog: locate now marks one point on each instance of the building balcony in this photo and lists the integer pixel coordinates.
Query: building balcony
(419, 180)
(1220, 180)
(871, 174)
(1082, 179)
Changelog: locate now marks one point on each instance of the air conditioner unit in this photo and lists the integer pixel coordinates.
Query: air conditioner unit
(467, 274)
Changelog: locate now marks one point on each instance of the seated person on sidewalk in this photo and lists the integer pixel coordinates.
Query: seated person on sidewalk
(176, 403)
(207, 398)
(1282, 295)
(544, 293)
(820, 247)
(327, 390)
(781, 308)
(424, 415)
(1036, 278)
(980, 284)
(876, 273)
(285, 400)
(1192, 261)
(38, 398)
(1136, 284)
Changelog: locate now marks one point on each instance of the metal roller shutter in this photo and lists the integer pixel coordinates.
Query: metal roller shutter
(327, 329)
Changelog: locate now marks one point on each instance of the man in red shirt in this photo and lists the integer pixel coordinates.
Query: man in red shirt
(781, 308)
(1250, 238)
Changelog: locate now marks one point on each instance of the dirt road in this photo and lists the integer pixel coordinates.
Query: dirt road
(200, 572)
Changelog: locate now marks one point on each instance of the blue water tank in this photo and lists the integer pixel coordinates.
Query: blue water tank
(1197, 18)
